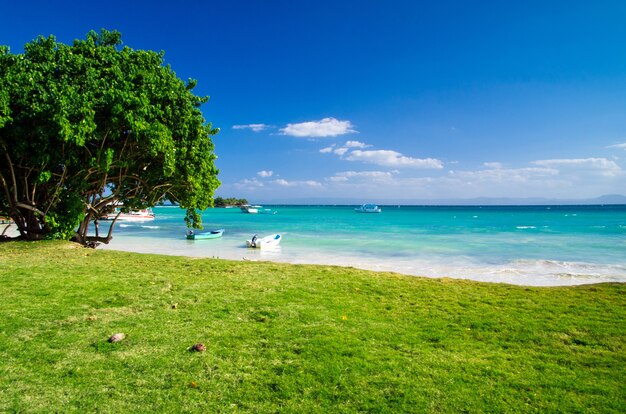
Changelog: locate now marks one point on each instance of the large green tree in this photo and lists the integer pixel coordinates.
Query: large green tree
(89, 125)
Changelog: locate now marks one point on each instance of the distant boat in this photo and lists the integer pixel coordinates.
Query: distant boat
(213, 234)
(368, 208)
(136, 215)
(265, 242)
(250, 209)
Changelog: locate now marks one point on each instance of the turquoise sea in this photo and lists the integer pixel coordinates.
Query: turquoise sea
(526, 245)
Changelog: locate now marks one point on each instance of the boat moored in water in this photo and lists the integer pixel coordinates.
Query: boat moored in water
(368, 208)
(254, 209)
(213, 234)
(265, 242)
(250, 209)
(133, 215)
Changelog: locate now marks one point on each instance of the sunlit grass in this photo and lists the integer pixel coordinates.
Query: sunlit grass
(292, 338)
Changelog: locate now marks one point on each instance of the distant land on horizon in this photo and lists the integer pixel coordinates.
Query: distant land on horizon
(613, 199)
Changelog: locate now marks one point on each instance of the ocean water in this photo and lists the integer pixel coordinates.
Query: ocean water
(538, 245)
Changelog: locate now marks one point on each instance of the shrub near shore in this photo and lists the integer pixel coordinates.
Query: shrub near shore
(294, 338)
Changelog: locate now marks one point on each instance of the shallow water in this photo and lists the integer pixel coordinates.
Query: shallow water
(555, 245)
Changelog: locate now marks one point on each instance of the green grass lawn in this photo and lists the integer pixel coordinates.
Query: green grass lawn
(292, 339)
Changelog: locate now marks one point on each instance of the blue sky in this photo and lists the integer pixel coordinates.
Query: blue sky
(386, 101)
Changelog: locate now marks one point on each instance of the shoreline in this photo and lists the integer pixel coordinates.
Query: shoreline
(544, 273)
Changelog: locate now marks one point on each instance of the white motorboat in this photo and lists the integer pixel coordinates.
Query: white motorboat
(368, 208)
(136, 215)
(265, 242)
(250, 209)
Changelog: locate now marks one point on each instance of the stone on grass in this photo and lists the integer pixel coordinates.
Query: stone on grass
(117, 337)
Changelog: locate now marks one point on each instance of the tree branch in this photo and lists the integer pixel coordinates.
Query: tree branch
(10, 163)
(6, 187)
(30, 208)
(57, 191)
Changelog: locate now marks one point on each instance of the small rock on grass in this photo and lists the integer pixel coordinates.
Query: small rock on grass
(117, 337)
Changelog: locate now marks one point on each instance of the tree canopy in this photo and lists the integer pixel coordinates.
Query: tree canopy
(229, 201)
(86, 126)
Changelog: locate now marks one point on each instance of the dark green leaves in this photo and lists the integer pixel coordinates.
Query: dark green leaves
(99, 123)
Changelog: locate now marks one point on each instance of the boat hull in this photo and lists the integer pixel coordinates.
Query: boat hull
(250, 209)
(368, 208)
(215, 234)
(265, 242)
(141, 215)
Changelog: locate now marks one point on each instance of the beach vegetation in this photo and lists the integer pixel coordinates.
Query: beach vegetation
(229, 201)
(85, 330)
(93, 125)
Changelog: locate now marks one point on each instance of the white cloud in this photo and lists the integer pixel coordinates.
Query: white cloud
(249, 184)
(602, 166)
(390, 158)
(355, 144)
(307, 183)
(253, 127)
(620, 146)
(502, 175)
(364, 175)
(558, 178)
(554, 178)
(265, 174)
(387, 158)
(343, 149)
(327, 127)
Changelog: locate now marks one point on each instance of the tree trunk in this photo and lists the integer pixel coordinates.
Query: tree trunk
(28, 223)
(83, 237)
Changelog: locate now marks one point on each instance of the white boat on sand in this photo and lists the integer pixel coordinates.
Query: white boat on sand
(265, 242)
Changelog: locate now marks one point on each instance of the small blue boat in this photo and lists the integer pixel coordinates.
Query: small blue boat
(214, 234)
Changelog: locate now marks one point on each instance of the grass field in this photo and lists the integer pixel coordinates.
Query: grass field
(292, 339)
